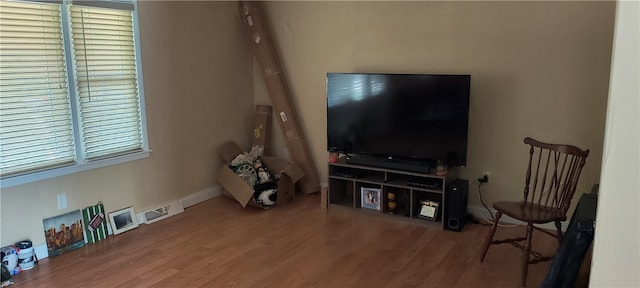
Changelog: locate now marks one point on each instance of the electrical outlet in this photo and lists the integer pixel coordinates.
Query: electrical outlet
(62, 201)
(487, 174)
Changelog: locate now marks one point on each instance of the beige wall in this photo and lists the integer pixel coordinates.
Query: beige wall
(529, 62)
(197, 76)
(616, 253)
(538, 69)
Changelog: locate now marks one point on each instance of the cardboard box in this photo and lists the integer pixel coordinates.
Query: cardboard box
(262, 127)
(239, 190)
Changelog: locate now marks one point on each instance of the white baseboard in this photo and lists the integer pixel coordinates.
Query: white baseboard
(201, 196)
(139, 218)
(193, 199)
(481, 212)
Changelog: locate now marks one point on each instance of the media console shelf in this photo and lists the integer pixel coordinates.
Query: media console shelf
(347, 180)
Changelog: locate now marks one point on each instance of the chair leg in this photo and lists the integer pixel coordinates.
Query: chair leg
(487, 242)
(559, 228)
(526, 254)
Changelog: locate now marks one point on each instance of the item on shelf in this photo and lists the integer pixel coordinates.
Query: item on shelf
(423, 183)
(428, 210)
(348, 175)
(441, 169)
(392, 204)
(333, 157)
(370, 198)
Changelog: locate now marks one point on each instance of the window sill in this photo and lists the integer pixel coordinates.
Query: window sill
(62, 171)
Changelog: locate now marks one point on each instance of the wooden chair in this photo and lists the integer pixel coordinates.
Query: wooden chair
(551, 180)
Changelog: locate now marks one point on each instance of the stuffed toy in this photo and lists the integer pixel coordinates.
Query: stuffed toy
(266, 194)
(263, 175)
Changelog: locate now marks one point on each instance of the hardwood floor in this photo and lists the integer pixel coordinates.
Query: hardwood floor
(219, 244)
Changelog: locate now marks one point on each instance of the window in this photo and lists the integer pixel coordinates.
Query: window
(71, 97)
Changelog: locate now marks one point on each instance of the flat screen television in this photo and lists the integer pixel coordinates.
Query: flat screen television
(413, 118)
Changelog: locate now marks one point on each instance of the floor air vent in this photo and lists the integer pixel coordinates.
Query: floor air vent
(162, 212)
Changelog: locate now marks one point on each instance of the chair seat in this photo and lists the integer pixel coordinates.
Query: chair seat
(528, 212)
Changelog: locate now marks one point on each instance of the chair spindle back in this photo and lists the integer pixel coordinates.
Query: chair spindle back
(553, 173)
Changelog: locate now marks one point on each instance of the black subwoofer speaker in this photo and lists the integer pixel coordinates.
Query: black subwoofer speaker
(456, 198)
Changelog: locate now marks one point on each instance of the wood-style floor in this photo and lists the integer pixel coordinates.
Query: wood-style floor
(219, 244)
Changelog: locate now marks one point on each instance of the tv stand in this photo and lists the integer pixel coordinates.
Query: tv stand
(405, 165)
(349, 185)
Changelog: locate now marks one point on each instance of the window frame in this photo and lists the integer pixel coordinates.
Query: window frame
(81, 164)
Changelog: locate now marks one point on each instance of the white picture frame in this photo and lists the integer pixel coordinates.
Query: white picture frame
(371, 198)
(123, 220)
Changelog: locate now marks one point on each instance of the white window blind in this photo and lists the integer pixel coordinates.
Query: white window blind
(105, 63)
(35, 121)
(71, 97)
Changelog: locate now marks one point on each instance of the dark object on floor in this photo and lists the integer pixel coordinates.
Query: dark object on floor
(266, 194)
(5, 277)
(456, 198)
(574, 246)
(551, 180)
(472, 219)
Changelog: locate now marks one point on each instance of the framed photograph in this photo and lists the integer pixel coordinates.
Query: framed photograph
(123, 220)
(428, 210)
(64, 232)
(371, 198)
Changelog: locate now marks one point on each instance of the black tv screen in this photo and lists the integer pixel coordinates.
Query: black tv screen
(421, 117)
